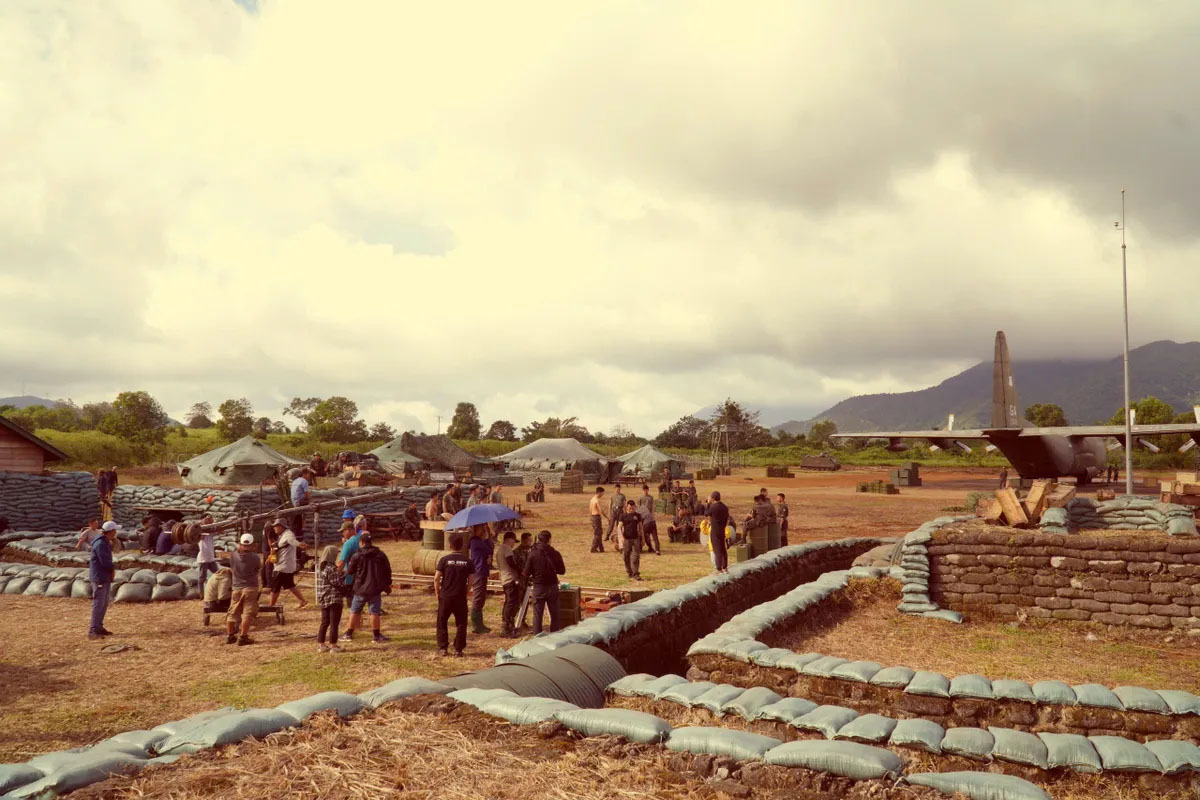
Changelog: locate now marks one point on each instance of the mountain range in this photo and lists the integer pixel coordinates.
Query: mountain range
(1089, 391)
(27, 400)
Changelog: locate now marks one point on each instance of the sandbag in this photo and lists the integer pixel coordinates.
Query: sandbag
(969, 742)
(825, 720)
(526, 710)
(344, 703)
(84, 769)
(741, 651)
(1007, 689)
(945, 615)
(636, 726)
(190, 723)
(1175, 756)
(971, 686)
(849, 759)
(227, 729)
(479, 697)
(401, 688)
(1093, 694)
(685, 693)
(1019, 747)
(59, 588)
(824, 666)
(654, 687)
(81, 589)
(168, 579)
(932, 684)
(36, 587)
(980, 785)
(629, 685)
(858, 671)
(769, 657)
(14, 775)
(749, 703)
(787, 709)
(147, 741)
(160, 592)
(1070, 750)
(1180, 702)
(893, 677)
(134, 593)
(740, 745)
(718, 696)
(144, 576)
(867, 728)
(1054, 692)
(1135, 698)
(1124, 755)
(922, 734)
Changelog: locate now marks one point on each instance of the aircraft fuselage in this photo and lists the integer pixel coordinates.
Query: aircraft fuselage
(1080, 457)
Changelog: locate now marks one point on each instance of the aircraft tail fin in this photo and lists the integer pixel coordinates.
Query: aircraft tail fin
(1006, 405)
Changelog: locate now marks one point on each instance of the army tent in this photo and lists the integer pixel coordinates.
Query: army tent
(649, 461)
(246, 462)
(442, 452)
(394, 453)
(557, 455)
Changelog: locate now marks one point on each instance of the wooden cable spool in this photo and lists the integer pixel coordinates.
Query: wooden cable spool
(177, 532)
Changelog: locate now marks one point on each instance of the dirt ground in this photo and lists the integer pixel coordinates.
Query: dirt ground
(1033, 650)
(57, 690)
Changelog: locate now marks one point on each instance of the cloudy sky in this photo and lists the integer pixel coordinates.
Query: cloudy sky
(622, 215)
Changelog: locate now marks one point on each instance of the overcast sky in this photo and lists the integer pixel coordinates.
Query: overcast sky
(622, 215)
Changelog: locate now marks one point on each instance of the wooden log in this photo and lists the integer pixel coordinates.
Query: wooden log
(1035, 502)
(1014, 514)
(994, 514)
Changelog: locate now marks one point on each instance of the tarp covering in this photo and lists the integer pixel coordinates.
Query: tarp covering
(557, 455)
(393, 452)
(246, 462)
(649, 460)
(441, 451)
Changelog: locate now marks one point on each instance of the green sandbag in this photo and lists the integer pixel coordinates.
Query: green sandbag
(1135, 698)
(749, 703)
(401, 688)
(718, 696)
(980, 785)
(171, 592)
(868, 729)
(826, 720)
(685, 694)
(1055, 692)
(1175, 756)
(969, 742)
(526, 710)
(629, 685)
(921, 734)
(893, 677)
(1124, 755)
(636, 726)
(344, 703)
(1093, 694)
(740, 745)
(134, 593)
(83, 769)
(1070, 750)
(859, 762)
(1008, 689)
(932, 684)
(975, 686)
(14, 775)
(229, 728)
(1019, 747)
(787, 709)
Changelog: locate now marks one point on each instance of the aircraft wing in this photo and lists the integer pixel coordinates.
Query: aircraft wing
(1190, 428)
(951, 434)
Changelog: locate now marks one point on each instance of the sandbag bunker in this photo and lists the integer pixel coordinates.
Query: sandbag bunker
(35, 563)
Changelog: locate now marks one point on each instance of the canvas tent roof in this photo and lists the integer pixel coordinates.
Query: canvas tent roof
(246, 462)
(441, 451)
(554, 455)
(649, 460)
(393, 451)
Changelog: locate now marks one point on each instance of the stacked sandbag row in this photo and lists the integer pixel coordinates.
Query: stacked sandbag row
(58, 549)
(1045, 751)
(57, 773)
(659, 628)
(129, 585)
(1127, 513)
(55, 502)
(913, 571)
(127, 499)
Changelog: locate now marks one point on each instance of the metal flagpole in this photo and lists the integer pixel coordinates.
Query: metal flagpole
(1128, 416)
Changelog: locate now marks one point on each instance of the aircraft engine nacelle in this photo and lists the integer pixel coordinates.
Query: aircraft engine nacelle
(896, 446)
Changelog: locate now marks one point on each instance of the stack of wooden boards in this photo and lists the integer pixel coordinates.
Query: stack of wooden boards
(355, 477)
(779, 472)
(1008, 509)
(908, 475)
(571, 483)
(1183, 491)
(877, 487)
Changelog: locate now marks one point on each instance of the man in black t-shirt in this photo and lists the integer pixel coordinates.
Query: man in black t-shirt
(450, 587)
(718, 517)
(631, 540)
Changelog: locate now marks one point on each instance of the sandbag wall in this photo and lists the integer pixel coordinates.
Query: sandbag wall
(653, 634)
(58, 501)
(224, 502)
(1122, 513)
(1147, 580)
(58, 550)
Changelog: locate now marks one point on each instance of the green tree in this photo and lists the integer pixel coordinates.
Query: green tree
(465, 422)
(261, 427)
(688, 432)
(1046, 415)
(555, 428)
(742, 424)
(237, 419)
(92, 415)
(1150, 411)
(820, 432)
(381, 430)
(200, 415)
(137, 418)
(300, 408)
(335, 420)
(502, 430)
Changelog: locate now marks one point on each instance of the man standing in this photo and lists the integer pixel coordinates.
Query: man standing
(692, 496)
(616, 508)
(782, 513)
(510, 580)
(631, 541)
(300, 497)
(646, 501)
(284, 576)
(450, 502)
(245, 564)
(102, 490)
(542, 569)
(371, 575)
(482, 549)
(597, 511)
(450, 588)
(474, 500)
(718, 517)
(433, 509)
(650, 531)
(497, 495)
(349, 548)
(206, 559)
(88, 535)
(100, 573)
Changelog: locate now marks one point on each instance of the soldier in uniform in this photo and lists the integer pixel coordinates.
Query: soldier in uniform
(781, 511)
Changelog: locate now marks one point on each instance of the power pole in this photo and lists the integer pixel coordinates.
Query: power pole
(439, 416)
(1128, 410)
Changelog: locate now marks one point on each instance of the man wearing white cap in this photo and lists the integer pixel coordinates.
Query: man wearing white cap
(284, 575)
(245, 564)
(100, 573)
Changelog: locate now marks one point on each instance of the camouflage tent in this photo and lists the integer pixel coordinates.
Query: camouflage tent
(246, 462)
(649, 461)
(393, 453)
(440, 452)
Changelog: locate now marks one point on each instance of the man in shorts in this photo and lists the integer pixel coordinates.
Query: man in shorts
(245, 563)
(371, 573)
(284, 576)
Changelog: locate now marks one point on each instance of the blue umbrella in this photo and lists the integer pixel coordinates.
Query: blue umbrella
(481, 514)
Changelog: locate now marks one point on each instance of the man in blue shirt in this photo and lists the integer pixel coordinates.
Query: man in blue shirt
(349, 548)
(100, 573)
(481, 551)
(300, 498)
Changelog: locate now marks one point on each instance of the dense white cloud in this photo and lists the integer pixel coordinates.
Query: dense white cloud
(621, 215)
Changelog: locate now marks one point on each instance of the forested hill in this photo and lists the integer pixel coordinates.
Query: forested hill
(1088, 391)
